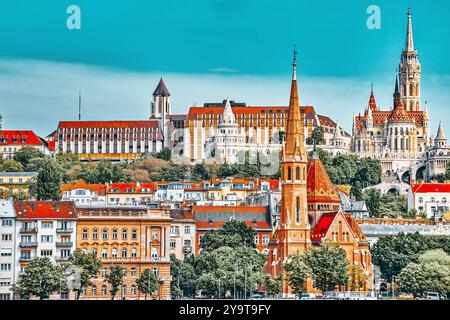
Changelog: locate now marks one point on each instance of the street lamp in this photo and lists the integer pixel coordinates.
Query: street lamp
(161, 282)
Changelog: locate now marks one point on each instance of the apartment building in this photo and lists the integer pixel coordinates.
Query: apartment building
(133, 237)
(182, 233)
(7, 249)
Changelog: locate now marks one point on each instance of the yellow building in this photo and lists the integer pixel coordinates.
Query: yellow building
(136, 238)
(14, 183)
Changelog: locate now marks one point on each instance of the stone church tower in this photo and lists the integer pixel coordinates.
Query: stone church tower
(161, 109)
(293, 234)
(409, 71)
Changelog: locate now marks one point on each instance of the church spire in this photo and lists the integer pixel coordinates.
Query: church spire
(372, 102)
(409, 46)
(295, 128)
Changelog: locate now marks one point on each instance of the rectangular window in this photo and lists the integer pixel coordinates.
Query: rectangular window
(47, 225)
(7, 222)
(5, 252)
(187, 229)
(46, 238)
(265, 240)
(172, 244)
(6, 237)
(5, 267)
(46, 253)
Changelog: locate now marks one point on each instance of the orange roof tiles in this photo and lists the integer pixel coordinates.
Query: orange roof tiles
(109, 124)
(45, 210)
(320, 189)
(19, 137)
(81, 184)
(430, 188)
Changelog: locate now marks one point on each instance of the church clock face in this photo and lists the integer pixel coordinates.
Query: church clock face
(297, 158)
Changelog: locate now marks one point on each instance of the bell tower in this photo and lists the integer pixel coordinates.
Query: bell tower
(161, 109)
(410, 72)
(293, 234)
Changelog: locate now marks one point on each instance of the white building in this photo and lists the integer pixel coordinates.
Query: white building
(7, 249)
(82, 193)
(433, 199)
(438, 158)
(182, 233)
(44, 229)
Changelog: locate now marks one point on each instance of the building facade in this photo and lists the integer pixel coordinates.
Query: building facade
(44, 229)
(12, 141)
(182, 233)
(8, 252)
(438, 157)
(133, 237)
(432, 199)
(15, 183)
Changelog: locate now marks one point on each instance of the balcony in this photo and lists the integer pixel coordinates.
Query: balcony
(62, 259)
(187, 249)
(28, 244)
(28, 230)
(64, 230)
(65, 244)
(25, 259)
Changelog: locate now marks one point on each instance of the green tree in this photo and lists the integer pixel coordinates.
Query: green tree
(165, 154)
(47, 184)
(147, 282)
(233, 234)
(356, 191)
(115, 279)
(431, 273)
(89, 265)
(297, 272)
(393, 253)
(41, 279)
(372, 197)
(317, 136)
(35, 164)
(393, 206)
(103, 172)
(273, 285)
(25, 154)
(328, 266)
(224, 269)
(200, 172)
(183, 277)
(11, 166)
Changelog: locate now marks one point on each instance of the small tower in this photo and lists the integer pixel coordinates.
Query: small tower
(440, 141)
(410, 71)
(161, 109)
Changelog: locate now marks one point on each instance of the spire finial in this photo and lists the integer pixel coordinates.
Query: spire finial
(294, 64)
(371, 87)
(409, 33)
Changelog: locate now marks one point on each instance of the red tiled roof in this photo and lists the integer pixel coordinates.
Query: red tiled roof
(179, 214)
(51, 145)
(380, 117)
(45, 210)
(326, 121)
(9, 136)
(322, 226)
(246, 110)
(109, 124)
(320, 189)
(161, 89)
(430, 188)
(81, 184)
(130, 187)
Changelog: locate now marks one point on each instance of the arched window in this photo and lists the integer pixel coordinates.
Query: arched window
(94, 290)
(105, 234)
(133, 289)
(114, 253)
(154, 253)
(114, 234)
(124, 252)
(297, 209)
(297, 173)
(133, 253)
(103, 290)
(134, 234)
(84, 234)
(124, 234)
(94, 251)
(95, 234)
(104, 253)
(289, 174)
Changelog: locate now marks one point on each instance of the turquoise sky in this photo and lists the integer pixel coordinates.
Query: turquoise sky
(247, 40)
(249, 36)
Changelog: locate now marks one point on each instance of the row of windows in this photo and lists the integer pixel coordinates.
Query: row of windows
(433, 199)
(123, 252)
(114, 234)
(297, 173)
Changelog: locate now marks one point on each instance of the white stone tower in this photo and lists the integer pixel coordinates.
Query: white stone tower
(161, 108)
(409, 71)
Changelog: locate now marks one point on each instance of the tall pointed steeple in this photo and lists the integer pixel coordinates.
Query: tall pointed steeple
(294, 146)
(409, 46)
(409, 71)
(228, 115)
(440, 140)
